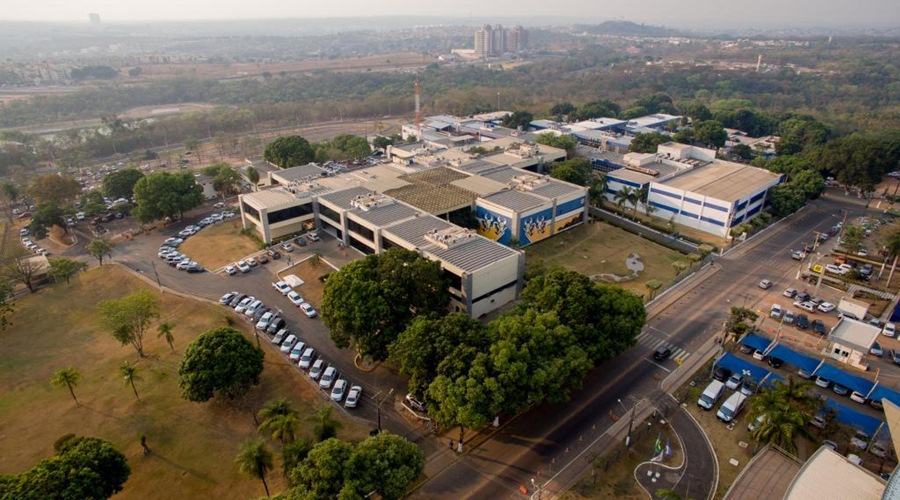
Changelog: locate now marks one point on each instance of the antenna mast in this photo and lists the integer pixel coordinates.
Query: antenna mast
(418, 112)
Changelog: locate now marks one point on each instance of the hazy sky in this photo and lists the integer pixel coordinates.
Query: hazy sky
(681, 13)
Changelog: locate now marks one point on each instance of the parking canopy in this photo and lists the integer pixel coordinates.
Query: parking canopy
(799, 360)
(756, 342)
(738, 365)
(837, 376)
(853, 418)
(880, 392)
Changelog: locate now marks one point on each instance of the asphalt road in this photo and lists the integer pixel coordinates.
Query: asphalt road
(540, 442)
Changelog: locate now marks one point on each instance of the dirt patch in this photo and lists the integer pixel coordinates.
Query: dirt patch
(599, 248)
(193, 444)
(219, 244)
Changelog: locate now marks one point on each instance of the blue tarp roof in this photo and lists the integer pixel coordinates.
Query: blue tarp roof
(837, 376)
(755, 342)
(881, 392)
(853, 418)
(738, 365)
(800, 361)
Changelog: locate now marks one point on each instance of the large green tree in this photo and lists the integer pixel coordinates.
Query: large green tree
(121, 184)
(368, 302)
(430, 342)
(577, 171)
(350, 146)
(518, 119)
(64, 269)
(647, 142)
(165, 194)
(605, 319)
(321, 474)
(385, 464)
(566, 142)
(129, 318)
(799, 133)
(596, 109)
(289, 151)
(47, 215)
(54, 188)
(219, 361)
(99, 248)
(710, 133)
(84, 468)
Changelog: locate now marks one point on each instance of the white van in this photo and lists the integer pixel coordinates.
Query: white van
(731, 407)
(710, 395)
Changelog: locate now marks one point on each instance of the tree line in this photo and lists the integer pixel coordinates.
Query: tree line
(393, 306)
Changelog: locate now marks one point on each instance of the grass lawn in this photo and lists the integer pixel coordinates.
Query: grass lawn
(617, 479)
(600, 248)
(219, 244)
(193, 445)
(311, 289)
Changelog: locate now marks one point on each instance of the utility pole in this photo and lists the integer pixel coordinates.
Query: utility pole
(630, 422)
(378, 406)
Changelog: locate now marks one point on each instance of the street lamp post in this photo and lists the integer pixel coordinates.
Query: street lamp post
(378, 407)
(630, 423)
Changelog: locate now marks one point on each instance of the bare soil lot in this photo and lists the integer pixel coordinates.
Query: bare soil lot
(193, 445)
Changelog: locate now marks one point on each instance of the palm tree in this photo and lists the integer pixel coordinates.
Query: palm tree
(892, 245)
(68, 378)
(129, 373)
(623, 196)
(165, 330)
(326, 425)
(255, 460)
(280, 418)
(598, 190)
(787, 409)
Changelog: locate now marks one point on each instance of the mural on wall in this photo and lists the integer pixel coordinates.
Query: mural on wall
(569, 214)
(535, 227)
(493, 226)
(565, 222)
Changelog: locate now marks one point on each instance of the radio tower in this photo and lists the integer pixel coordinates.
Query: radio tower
(418, 113)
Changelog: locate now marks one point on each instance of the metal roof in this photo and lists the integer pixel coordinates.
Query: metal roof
(287, 175)
(270, 198)
(414, 230)
(342, 198)
(723, 180)
(383, 215)
(473, 255)
(516, 201)
(555, 189)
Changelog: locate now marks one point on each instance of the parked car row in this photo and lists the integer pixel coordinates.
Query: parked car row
(295, 298)
(269, 321)
(171, 256)
(33, 247)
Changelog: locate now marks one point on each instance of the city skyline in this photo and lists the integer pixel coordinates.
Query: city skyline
(701, 14)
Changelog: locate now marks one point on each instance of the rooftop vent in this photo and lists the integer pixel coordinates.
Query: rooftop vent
(449, 238)
(366, 202)
(528, 182)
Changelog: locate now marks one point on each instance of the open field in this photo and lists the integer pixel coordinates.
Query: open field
(600, 248)
(192, 444)
(219, 244)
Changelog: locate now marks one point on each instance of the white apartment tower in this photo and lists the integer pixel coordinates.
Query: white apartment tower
(493, 41)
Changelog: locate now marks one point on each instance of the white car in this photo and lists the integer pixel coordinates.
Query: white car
(230, 270)
(252, 262)
(890, 330)
(287, 247)
(288, 343)
(734, 381)
(306, 358)
(227, 297)
(242, 266)
(312, 236)
(308, 310)
(339, 390)
(826, 307)
(316, 371)
(777, 311)
(295, 298)
(242, 305)
(327, 378)
(806, 306)
(353, 397)
(297, 351)
(282, 287)
(264, 321)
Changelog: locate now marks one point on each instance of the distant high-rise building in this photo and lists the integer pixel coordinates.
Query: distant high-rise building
(517, 39)
(95, 18)
(484, 40)
(498, 46)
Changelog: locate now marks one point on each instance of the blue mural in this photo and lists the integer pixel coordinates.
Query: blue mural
(535, 227)
(493, 226)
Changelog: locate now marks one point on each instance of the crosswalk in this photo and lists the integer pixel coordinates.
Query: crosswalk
(653, 342)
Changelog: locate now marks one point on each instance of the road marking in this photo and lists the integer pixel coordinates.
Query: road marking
(658, 365)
